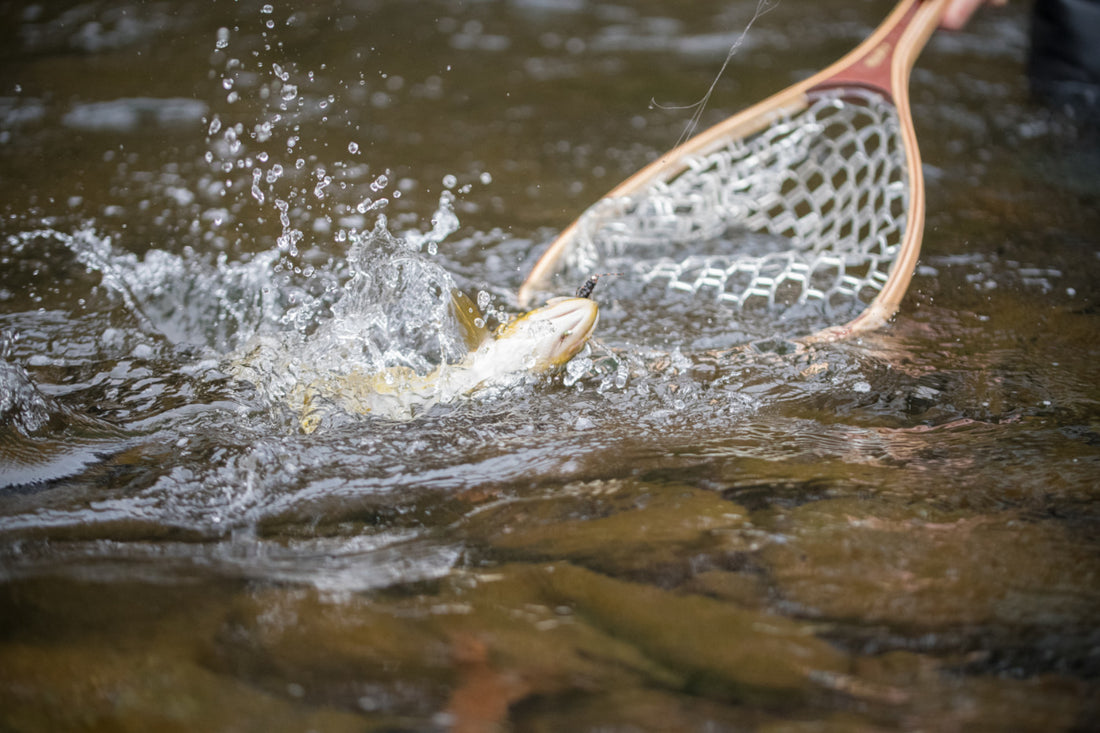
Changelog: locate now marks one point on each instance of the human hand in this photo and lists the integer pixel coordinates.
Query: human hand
(958, 12)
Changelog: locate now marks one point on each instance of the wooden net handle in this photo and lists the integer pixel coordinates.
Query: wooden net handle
(882, 62)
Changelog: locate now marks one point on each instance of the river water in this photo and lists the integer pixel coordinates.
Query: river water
(896, 532)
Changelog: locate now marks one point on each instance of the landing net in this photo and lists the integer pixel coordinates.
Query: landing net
(811, 208)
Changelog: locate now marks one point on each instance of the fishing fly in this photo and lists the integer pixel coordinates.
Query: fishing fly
(585, 291)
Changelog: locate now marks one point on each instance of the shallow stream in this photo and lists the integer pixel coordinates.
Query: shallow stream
(896, 532)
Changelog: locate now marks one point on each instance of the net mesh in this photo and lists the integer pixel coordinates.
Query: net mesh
(812, 207)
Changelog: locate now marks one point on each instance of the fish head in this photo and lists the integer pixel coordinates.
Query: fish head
(549, 336)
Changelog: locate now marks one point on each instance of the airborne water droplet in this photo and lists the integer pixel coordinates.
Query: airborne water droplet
(256, 192)
(323, 182)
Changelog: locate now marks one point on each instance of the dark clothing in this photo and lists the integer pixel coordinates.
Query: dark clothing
(1064, 63)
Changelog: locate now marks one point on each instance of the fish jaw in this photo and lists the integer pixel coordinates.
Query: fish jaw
(549, 336)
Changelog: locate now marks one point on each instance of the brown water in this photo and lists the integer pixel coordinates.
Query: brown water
(894, 533)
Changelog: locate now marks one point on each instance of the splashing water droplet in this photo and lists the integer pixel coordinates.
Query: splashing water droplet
(256, 192)
(483, 300)
(267, 9)
(577, 368)
(323, 182)
(379, 183)
(284, 217)
(289, 92)
(449, 181)
(353, 148)
(288, 242)
(262, 132)
(222, 38)
(486, 179)
(621, 376)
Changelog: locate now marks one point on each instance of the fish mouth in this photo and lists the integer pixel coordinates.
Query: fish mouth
(572, 320)
(550, 335)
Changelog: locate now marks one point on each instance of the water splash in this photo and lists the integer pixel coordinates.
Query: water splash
(385, 303)
(444, 223)
(22, 406)
(396, 309)
(191, 299)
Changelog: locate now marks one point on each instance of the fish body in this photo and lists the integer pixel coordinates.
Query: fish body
(536, 342)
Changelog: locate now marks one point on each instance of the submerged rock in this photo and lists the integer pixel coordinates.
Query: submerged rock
(657, 533)
(911, 565)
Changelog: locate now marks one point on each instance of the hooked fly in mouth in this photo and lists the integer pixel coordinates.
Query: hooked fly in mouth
(585, 291)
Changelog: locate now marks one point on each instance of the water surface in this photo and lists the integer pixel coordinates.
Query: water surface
(898, 532)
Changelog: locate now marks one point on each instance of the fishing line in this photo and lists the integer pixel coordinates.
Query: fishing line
(762, 7)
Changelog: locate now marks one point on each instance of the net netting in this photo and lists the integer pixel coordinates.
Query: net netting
(810, 208)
